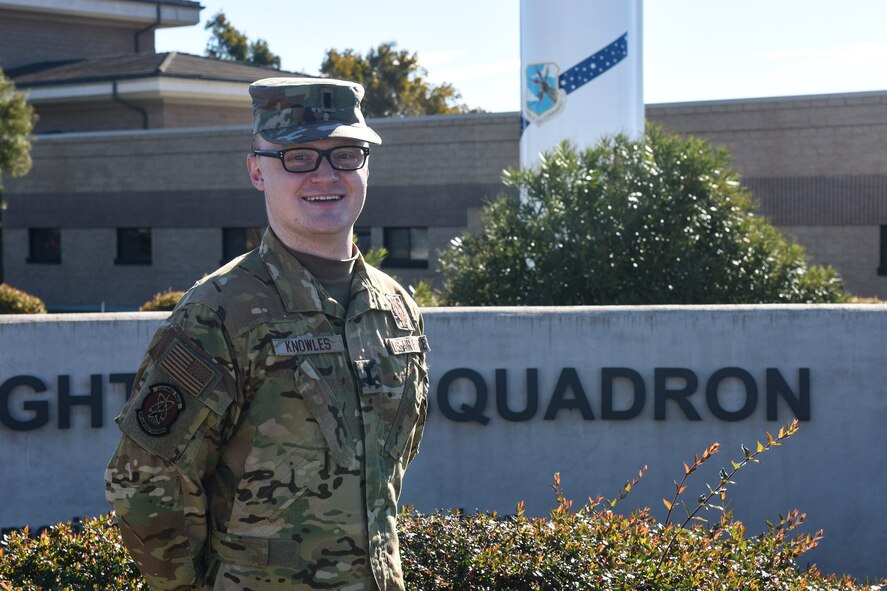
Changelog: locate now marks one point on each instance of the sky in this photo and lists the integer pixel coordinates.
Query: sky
(694, 50)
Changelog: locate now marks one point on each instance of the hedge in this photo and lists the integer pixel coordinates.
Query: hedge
(585, 548)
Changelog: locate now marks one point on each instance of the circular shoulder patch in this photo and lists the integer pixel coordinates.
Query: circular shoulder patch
(161, 407)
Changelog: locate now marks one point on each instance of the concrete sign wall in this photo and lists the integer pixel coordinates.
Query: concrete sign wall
(519, 394)
(63, 379)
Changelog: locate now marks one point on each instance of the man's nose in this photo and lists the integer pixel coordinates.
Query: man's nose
(325, 170)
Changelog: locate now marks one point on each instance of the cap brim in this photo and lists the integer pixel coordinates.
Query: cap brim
(320, 131)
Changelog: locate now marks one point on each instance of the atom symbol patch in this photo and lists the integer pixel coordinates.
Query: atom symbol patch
(161, 407)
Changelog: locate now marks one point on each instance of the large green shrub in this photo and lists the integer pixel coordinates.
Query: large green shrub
(15, 301)
(588, 548)
(663, 220)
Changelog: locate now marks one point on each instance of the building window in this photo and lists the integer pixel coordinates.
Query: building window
(882, 269)
(236, 241)
(407, 247)
(133, 246)
(45, 245)
(363, 238)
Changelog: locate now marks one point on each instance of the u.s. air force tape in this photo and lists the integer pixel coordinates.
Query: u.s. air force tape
(403, 345)
(309, 345)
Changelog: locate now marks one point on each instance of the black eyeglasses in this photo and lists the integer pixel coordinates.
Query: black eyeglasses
(308, 159)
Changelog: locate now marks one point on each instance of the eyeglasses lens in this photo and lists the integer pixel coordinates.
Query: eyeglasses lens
(306, 159)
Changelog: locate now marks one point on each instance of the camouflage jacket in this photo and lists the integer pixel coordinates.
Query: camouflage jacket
(268, 432)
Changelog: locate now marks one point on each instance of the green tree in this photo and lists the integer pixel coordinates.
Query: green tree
(227, 43)
(260, 54)
(658, 221)
(17, 120)
(395, 82)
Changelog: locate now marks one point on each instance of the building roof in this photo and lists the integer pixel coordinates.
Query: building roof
(162, 13)
(187, 3)
(137, 65)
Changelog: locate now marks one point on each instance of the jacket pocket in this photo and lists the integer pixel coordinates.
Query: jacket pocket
(321, 401)
(413, 405)
(276, 475)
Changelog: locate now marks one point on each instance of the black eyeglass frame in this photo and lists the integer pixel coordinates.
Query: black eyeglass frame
(321, 154)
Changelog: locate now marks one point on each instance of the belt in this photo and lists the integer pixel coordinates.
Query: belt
(248, 551)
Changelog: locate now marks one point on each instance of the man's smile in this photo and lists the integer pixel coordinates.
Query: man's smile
(323, 198)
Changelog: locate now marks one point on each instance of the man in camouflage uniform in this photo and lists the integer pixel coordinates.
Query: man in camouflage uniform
(277, 408)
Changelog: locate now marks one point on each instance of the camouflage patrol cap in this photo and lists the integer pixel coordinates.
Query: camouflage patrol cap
(293, 110)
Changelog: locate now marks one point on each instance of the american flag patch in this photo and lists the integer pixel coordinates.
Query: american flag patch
(188, 371)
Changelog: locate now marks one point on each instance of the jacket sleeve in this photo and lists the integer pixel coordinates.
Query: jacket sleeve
(422, 393)
(172, 428)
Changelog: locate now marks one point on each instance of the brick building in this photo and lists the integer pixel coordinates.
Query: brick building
(135, 189)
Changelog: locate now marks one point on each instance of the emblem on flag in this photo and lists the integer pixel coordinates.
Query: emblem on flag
(543, 97)
(547, 88)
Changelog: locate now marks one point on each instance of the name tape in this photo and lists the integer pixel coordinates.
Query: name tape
(403, 345)
(309, 345)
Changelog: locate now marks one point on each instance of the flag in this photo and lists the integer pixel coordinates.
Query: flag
(581, 73)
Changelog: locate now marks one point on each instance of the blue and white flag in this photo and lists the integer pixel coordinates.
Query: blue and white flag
(582, 77)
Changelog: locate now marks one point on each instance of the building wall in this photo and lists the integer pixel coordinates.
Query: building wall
(430, 172)
(109, 115)
(194, 180)
(790, 137)
(818, 166)
(442, 150)
(26, 39)
(159, 161)
(94, 116)
(185, 186)
(88, 278)
(851, 249)
(188, 115)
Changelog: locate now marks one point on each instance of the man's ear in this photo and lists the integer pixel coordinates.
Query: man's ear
(255, 172)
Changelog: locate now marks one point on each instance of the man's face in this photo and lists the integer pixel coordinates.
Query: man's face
(315, 211)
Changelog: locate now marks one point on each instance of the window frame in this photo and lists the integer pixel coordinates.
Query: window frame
(35, 257)
(882, 268)
(392, 261)
(126, 258)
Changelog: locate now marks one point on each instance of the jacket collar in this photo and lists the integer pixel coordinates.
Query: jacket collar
(301, 292)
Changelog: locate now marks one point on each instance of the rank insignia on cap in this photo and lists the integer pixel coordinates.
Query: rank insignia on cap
(399, 311)
(160, 408)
